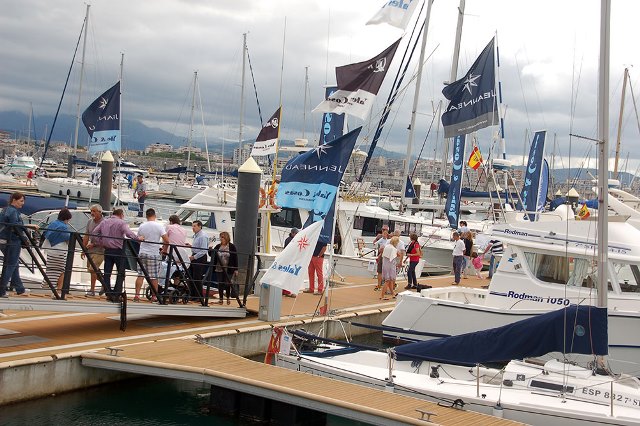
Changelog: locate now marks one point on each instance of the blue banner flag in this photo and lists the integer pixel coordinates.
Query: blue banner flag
(544, 187)
(410, 191)
(310, 181)
(332, 123)
(452, 206)
(472, 99)
(533, 173)
(102, 120)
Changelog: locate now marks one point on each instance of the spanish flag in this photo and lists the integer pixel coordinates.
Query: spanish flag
(584, 213)
(475, 159)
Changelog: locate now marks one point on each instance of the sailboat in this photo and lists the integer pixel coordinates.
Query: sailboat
(89, 189)
(453, 371)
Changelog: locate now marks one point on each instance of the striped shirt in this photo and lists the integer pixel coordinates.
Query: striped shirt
(496, 247)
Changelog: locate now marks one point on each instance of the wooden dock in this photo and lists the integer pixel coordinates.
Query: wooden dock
(187, 359)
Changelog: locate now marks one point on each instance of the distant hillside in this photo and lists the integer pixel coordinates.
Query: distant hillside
(136, 135)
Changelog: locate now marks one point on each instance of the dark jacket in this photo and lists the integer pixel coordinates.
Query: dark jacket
(468, 247)
(233, 258)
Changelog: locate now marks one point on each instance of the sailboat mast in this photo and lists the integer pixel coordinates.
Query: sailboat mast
(84, 49)
(603, 138)
(624, 91)
(304, 105)
(244, 66)
(193, 106)
(204, 131)
(30, 118)
(453, 76)
(416, 97)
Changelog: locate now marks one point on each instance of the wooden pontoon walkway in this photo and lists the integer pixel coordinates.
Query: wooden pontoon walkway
(188, 360)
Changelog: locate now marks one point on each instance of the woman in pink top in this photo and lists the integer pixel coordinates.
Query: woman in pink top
(414, 253)
(177, 236)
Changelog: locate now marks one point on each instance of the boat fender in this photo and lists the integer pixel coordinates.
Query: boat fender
(273, 190)
(263, 198)
(79, 194)
(274, 344)
(60, 192)
(68, 192)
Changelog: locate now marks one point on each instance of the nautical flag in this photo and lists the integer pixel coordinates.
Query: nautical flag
(452, 206)
(358, 85)
(289, 269)
(531, 187)
(310, 181)
(267, 140)
(410, 191)
(332, 124)
(102, 120)
(584, 213)
(396, 13)
(472, 99)
(475, 159)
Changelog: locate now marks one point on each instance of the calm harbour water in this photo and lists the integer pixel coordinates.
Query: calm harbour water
(143, 401)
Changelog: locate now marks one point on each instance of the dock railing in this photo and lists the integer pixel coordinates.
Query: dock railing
(177, 282)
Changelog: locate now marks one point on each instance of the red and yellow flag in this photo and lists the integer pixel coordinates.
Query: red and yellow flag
(584, 213)
(475, 159)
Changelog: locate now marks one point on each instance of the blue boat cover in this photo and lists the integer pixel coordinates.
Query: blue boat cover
(34, 204)
(585, 327)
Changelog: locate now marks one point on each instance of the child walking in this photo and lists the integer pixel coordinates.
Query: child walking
(476, 261)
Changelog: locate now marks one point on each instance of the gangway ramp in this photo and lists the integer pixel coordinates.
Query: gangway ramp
(185, 359)
(88, 305)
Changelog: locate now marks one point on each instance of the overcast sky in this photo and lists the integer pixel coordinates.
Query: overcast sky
(548, 52)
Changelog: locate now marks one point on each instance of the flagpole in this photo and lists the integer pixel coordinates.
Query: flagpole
(275, 157)
(84, 49)
(416, 96)
(119, 120)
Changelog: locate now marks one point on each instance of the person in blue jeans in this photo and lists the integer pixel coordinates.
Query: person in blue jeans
(11, 240)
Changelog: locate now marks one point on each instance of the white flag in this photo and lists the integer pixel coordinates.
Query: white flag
(396, 13)
(289, 268)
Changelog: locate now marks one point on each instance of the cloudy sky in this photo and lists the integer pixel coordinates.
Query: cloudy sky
(548, 52)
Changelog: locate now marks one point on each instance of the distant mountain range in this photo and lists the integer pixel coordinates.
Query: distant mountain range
(136, 135)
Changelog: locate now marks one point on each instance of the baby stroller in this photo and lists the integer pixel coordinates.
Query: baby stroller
(172, 290)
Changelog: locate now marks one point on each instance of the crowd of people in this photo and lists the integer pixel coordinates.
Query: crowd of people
(104, 248)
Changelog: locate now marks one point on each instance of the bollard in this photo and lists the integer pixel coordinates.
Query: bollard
(71, 162)
(106, 171)
(246, 226)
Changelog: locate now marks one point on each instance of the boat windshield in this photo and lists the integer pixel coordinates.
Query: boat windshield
(581, 272)
(628, 277)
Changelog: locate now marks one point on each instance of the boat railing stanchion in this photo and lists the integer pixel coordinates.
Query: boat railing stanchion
(478, 380)
(388, 387)
(611, 398)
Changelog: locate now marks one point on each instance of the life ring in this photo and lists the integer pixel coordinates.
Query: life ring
(273, 190)
(263, 198)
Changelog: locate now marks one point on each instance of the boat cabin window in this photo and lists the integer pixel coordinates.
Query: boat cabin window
(560, 269)
(207, 218)
(287, 218)
(371, 226)
(628, 277)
